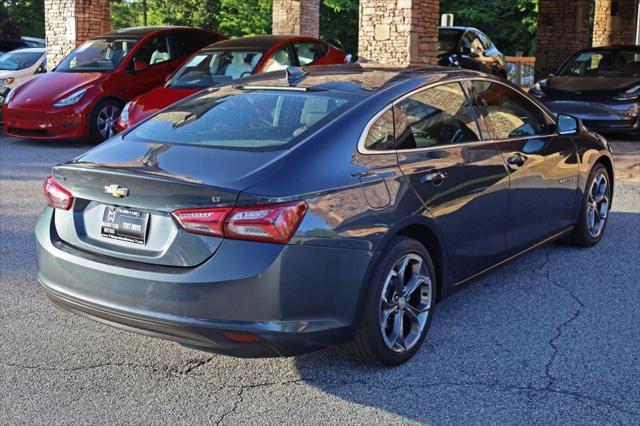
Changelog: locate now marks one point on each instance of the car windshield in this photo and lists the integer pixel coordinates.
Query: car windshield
(14, 61)
(603, 63)
(448, 40)
(241, 119)
(97, 55)
(211, 68)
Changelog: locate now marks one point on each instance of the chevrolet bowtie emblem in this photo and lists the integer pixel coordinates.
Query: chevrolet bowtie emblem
(116, 191)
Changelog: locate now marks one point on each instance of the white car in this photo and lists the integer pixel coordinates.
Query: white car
(19, 66)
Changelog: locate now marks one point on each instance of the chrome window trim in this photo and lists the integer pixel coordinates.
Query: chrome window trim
(363, 136)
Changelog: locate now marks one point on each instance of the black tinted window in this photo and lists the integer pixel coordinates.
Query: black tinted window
(187, 42)
(508, 114)
(436, 116)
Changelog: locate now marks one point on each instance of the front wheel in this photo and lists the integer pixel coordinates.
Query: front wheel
(595, 207)
(398, 306)
(103, 119)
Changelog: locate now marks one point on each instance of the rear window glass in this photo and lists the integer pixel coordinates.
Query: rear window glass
(259, 119)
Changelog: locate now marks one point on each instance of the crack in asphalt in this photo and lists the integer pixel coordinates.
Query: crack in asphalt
(324, 384)
(560, 328)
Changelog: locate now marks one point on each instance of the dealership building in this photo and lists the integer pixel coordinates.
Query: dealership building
(397, 32)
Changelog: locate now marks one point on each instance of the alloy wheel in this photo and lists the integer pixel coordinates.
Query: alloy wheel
(598, 204)
(406, 300)
(106, 121)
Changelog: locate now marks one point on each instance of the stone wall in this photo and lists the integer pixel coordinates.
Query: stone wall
(297, 17)
(615, 22)
(69, 23)
(399, 32)
(563, 28)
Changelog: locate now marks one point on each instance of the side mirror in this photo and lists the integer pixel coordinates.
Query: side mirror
(139, 66)
(568, 125)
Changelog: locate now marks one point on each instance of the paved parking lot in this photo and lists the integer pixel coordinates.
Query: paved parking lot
(552, 338)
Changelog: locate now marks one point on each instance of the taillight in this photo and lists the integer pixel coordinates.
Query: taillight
(57, 197)
(274, 223)
(203, 221)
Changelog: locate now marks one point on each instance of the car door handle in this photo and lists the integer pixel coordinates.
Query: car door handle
(516, 160)
(435, 177)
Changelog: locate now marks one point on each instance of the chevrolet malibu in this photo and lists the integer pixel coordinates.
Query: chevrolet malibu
(278, 215)
(83, 96)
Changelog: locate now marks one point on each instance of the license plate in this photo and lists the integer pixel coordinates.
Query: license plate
(121, 223)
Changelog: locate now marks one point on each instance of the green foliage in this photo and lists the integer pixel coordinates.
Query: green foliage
(339, 23)
(511, 24)
(26, 15)
(245, 17)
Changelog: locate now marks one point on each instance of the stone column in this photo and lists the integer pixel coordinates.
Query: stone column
(399, 32)
(563, 28)
(69, 23)
(296, 17)
(615, 22)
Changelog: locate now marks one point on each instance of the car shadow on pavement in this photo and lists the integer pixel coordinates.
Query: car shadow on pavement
(540, 336)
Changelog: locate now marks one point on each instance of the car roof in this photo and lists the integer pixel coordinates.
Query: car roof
(362, 79)
(613, 47)
(458, 28)
(29, 50)
(263, 42)
(140, 31)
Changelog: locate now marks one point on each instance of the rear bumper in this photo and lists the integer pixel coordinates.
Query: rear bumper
(286, 295)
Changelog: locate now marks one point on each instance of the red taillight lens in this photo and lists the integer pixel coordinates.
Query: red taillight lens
(274, 223)
(57, 197)
(203, 221)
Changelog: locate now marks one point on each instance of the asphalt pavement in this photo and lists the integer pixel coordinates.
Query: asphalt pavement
(553, 337)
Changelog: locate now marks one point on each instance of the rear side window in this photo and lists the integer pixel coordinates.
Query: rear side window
(438, 115)
(309, 52)
(507, 113)
(228, 118)
(187, 42)
(380, 136)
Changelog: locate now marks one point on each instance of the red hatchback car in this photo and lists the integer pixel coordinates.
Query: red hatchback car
(85, 93)
(229, 60)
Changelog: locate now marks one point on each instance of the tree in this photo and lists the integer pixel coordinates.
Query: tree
(25, 17)
(339, 23)
(245, 17)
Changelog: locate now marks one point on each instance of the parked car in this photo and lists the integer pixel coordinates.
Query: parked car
(84, 94)
(230, 60)
(468, 47)
(20, 66)
(7, 45)
(35, 41)
(599, 85)
(280, 215)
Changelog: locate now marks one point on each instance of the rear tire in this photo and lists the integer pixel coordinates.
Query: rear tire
(594, 210)
(102, 122)
(398, 306)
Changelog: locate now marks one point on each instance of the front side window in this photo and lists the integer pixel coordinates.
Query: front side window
(308, 52)
(438, 115)
(278, 61)
(507, 113)
(236, 119)
(97, 55)
(155, 52)
(215, 67)
(603, 63)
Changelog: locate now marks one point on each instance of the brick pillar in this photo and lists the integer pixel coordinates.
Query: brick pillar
(615, 22)
(399, 32)
(68, 23)
(296, 17)
(563, 28)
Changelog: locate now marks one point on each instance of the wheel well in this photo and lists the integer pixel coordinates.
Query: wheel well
(606, 161)
(427, 238)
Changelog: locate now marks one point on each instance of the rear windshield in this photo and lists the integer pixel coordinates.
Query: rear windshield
(604, 63)
(258, 119)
